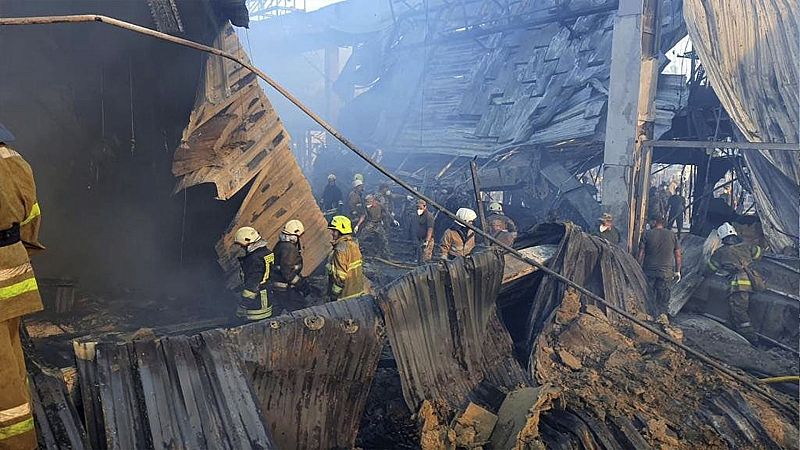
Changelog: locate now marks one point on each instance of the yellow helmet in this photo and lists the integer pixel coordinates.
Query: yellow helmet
(246, 236)
(358, 176)
(294, 228)
(341, 224)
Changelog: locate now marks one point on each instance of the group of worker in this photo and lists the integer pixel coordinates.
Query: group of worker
(661, 260)
(374, 213)
(271, 277)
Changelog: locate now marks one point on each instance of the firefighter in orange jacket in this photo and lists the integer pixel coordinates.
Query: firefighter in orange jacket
(19, 295)
(345, 275)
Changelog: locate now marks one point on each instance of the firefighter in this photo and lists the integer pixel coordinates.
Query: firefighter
(332, 195)
(345, 275)
(372, 225)
(289, 288)
(385, 198)
(497, 228)
(19, 294)
(458, 240)
(735, 259)
(355, 201)
(256, 265)
(496, 212)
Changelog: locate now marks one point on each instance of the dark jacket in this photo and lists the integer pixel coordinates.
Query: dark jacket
(288, 264)
(736, 260)
(611, 235)
(331, 197)
(256, 264)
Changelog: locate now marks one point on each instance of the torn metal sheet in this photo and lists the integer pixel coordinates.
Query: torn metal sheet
(449, 344)
(58, 424)
(311, 371)
(176, 392)
(750, 50)
(592, 262)
(232, 128)
(280, 193)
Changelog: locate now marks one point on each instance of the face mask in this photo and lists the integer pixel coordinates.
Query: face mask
(603, 228)
(420, 211)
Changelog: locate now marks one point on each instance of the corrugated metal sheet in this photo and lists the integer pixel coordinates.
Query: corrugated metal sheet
(311, 371)
(172, 393)
(232, 128)
(443, 328)
(750, 50)
(234, 136)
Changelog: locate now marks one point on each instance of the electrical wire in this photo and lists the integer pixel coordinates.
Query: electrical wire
(754, 385)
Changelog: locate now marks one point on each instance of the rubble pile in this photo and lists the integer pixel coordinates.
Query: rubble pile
(632, 391)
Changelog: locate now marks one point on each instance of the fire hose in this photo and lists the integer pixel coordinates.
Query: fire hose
(86, 18)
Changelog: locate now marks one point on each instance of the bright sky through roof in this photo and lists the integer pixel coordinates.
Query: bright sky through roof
(311, 5)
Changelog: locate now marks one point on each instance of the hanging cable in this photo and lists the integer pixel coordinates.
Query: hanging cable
(748, 381)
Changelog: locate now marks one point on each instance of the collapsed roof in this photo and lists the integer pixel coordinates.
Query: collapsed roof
(474, 78)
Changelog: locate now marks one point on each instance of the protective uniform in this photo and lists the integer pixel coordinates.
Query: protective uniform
(19, 295)
(256, 266)
(457, 241)
(374, 228)
(355, 201)
(345, 274)
(735, 260)
(288, 286)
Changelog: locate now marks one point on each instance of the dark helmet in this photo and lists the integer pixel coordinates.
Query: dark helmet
(5, 135)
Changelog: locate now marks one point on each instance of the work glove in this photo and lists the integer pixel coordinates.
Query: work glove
(395, 223)
(355, 229)
(677, 277)
(424, 244)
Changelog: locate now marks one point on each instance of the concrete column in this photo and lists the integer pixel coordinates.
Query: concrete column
(622, 117)
(631, 114)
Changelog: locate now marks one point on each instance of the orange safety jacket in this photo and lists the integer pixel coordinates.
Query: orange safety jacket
(345, 274)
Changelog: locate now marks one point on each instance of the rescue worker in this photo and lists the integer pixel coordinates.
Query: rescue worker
(19, 294)
(345, 274)
(496, 212)
(675, 206)
(606, 230)
(422, 233)
(372, 226)
(355, 202)
(497, 228)
(458, 240)
(661, 260)
(288, 285)
(332, 195)
(735, 259)
(256, 266)
(384, 197)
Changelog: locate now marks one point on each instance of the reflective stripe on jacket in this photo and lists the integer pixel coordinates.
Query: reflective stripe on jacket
(345, 274)
(19, 292)
(735, 260)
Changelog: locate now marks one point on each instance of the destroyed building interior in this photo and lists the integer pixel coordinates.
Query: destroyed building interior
(544, 146)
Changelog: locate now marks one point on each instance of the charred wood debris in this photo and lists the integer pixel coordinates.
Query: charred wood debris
(473, 353)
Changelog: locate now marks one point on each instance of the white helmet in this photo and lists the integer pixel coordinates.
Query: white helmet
(357, 183)
(466, 215)
(495, 207)
(294, 228)
(246, 236)
(331, 177)
(726, 230)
